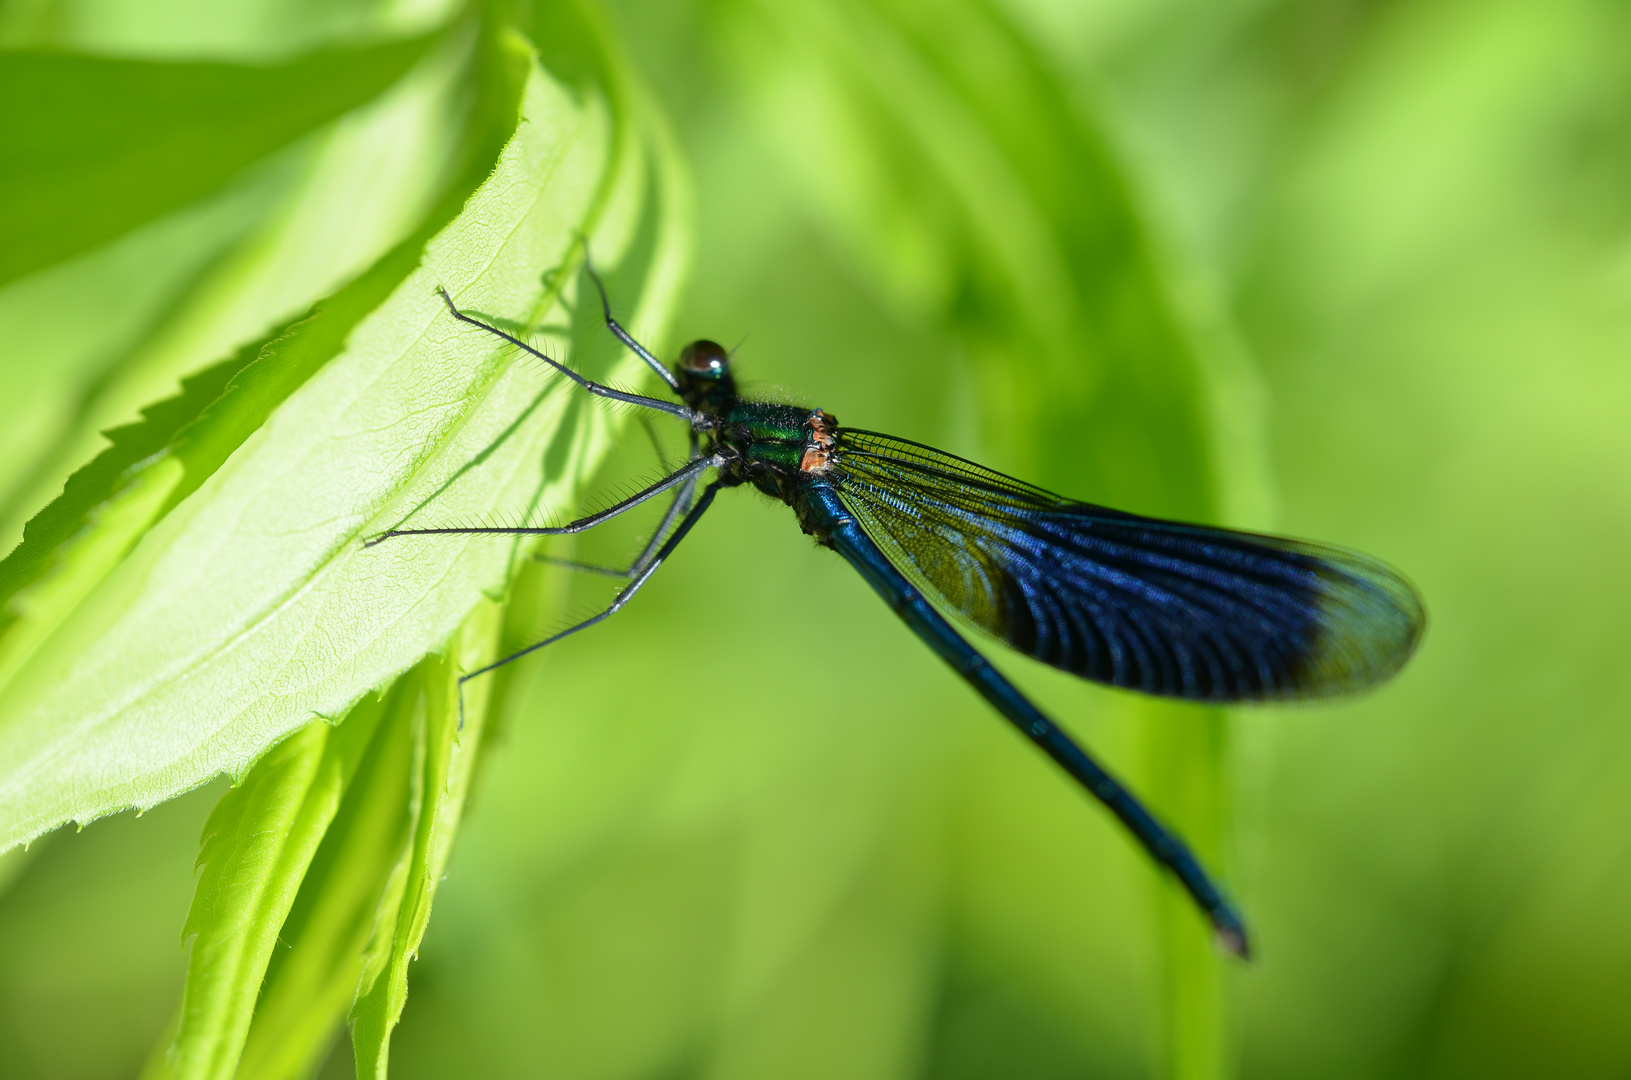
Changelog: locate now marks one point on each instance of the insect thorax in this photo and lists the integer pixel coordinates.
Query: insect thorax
(780, 446)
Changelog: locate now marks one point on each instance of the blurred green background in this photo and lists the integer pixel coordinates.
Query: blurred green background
(752, 828)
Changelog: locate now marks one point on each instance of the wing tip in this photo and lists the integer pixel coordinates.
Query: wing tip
(1371, 622)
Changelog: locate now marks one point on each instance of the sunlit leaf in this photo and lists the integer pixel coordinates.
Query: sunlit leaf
(257, 846)
(255, 606)
(448, 735)
(311, 982)
(316, 239)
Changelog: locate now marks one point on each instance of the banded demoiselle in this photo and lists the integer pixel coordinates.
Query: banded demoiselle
(1177, 610)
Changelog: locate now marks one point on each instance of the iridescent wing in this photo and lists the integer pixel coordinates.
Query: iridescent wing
(1180, 610)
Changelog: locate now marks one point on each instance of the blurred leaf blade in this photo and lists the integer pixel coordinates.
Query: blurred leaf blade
(1048, 265)
(1024, 229)
(109, 143)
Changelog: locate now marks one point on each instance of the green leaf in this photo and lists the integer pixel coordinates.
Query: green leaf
(332, 822)
(937, 146)
(311, 982)
(656, 226)
(61, 559)
(84, 503)
(319, 215)
(133, 285)
(447, 740)
(295, 824)
(257, 846)
(254, 605)
(106, 144)
(110, 503)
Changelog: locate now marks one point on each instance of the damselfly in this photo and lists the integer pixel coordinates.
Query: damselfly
(1184, 611)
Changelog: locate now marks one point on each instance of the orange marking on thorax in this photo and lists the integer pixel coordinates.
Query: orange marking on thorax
(823, 437)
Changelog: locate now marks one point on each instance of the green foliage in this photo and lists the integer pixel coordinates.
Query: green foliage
(751, 828)
(255, 601)
(952, 162)
(451, 736)
(107, 144)
(180, 658)
(256, 850)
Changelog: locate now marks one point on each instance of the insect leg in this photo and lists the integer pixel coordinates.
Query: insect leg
(598, 389)
(688, 472)
(623, 335)
(624, 595)
(680, 505)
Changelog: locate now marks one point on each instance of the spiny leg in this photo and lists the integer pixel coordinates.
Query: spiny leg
(624, 595)
(598, 389)
(689, 471)
(617, 328)
(682, 502)
(680, 505)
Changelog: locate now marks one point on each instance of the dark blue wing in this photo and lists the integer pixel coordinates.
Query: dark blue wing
(1180, 610)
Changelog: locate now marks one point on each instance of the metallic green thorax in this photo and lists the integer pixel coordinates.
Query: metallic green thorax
(772, 441)
(779, 449)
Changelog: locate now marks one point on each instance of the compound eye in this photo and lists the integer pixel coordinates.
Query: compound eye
(705, 358)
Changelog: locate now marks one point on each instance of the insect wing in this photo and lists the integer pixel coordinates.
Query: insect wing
(1179, 610)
